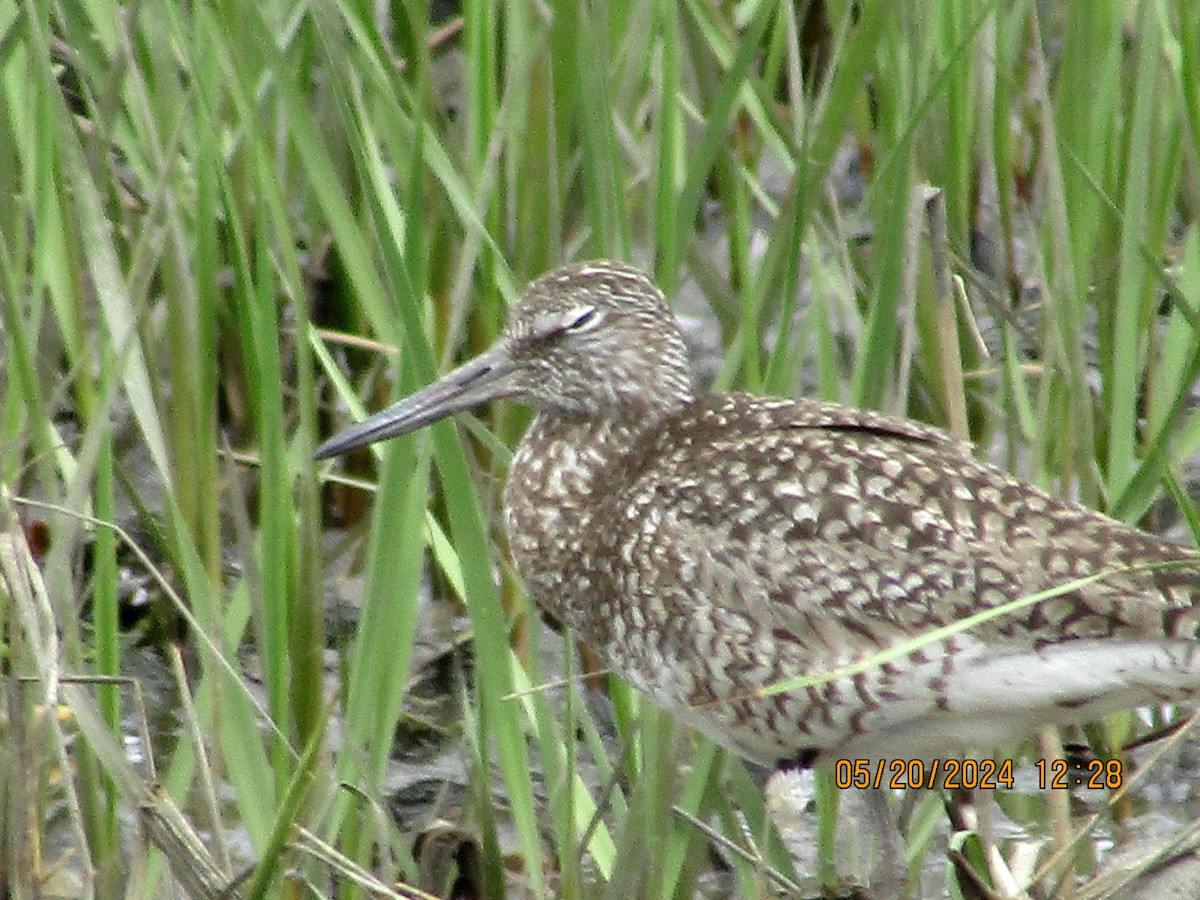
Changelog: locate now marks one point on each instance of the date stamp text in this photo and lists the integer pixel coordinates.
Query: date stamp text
(983, 774)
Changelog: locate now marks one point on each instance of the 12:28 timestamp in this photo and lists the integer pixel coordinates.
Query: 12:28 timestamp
(1059, 774)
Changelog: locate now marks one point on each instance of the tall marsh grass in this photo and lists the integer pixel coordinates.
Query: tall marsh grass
(197, 200)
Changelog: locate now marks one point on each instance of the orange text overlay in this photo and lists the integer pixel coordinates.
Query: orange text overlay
(984, 774)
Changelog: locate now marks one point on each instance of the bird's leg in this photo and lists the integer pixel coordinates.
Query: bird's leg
(889, 874)
(870, 852)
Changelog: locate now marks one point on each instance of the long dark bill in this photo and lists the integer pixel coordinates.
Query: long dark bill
(486, 377)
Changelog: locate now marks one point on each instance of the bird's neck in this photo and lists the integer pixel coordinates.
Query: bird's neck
(561, 457)
(555, 484)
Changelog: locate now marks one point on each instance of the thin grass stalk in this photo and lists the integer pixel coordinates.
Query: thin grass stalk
(668, 146)
(959, 157)
(294, 797)
(105, 838)
(874, 374)
(253, 309)
(1066, 453)
(904, 104)
(607, 213)
(534, 162)
(466, 523)
(561, 776)
(1178, 347)
(103, 265)
(378, 667)
(853, 54)
(779, 275)
(738, 225)
(719, 113)
(158, 115)
(492, 685)
(199, 249)
(1091, 67)
(469, 533)
(481, 50)
(207, 783)
(828, 382)
(581, 831)
(13, 172)
(788, 232)
(1124, 360)
(640, 832)
(118, 316)
(1186, 32)
(746, 801)
(33, 705)
(1001, 158)
(684, 851)
(292, 667)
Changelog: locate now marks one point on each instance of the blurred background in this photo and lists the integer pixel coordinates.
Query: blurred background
(229, 227)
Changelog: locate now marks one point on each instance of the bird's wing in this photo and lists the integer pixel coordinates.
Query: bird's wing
(890, 528)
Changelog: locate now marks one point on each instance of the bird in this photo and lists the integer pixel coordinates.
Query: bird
(802, 581)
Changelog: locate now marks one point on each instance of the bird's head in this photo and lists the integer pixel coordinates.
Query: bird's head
(589, 340)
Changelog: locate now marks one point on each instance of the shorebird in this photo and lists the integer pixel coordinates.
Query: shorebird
(729, 555)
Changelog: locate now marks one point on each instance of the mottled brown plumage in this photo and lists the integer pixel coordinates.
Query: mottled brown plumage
(709, 546)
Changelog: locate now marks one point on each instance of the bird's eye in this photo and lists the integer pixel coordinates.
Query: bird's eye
(584, 319)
